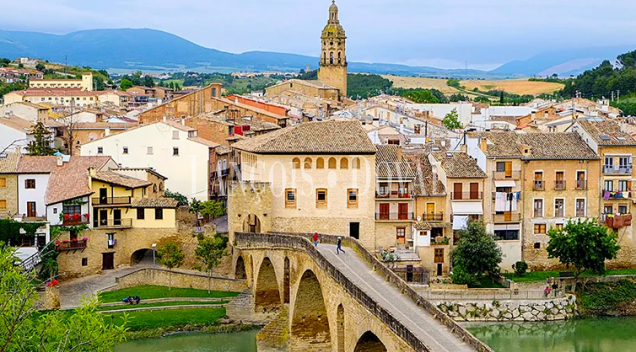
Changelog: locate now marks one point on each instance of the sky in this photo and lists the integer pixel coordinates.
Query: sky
(481, 34)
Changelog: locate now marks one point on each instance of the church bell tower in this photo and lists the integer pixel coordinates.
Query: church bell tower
(333, 61)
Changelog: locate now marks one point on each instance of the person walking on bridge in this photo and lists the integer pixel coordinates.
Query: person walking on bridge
(316, 239)
(339, 246)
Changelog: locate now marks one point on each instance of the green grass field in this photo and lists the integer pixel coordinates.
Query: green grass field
(145, 320)
(148, 292)
(161, 304)
(535, 276)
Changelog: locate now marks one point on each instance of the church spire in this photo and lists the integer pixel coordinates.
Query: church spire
(333, 12)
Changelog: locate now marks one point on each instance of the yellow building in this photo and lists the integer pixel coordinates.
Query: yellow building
(539, 181)
(313, 177)
(85, 83)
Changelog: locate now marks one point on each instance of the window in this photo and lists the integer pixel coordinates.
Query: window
(623, 186)
(352, 198)
(400, 233)
(355, 163)
(321, 198)
(191, 134)
(158, 214)
(608, 185)
(559, 227)
(320, 163)
(54, 210)
(154, 188)
(539, 229)
(3, 182)
(125, 150)
(538, 208)
(384, 190)
(149, 151)
(175, 151)
(501, 166)
(439, 255)
(290, 198)
(72, 210)
(344, 163)
(3, 204)
(295, 163)
(507, 235)
(580, 208)
(111, 240)
(213, 92)
(622, 209)
(160, 186)
(457, 191)
(608, 209)
(559, 208)
(537, 245)
(100, 150)
(307, 163)
(84, 261)
(539, 184)
(332, 163)
(175, 134)
(29, 184)
(141, 213)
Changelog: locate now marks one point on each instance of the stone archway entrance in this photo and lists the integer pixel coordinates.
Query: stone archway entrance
(141, 257)
(368, 342)
(340, 326)
(239, 273)
(286, 279)
(310, 325)
(252, 224)
(266, 292)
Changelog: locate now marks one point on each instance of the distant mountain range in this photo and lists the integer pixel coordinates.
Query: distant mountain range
(148, 49)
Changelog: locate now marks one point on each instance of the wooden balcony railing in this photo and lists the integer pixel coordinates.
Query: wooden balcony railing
(393, 216)
(510, 175)
(617, 169)
(559, 185)
(114, 223)
(111, 201)
(71, 246)
(539, 185)
(433, 217)
(467, 195)
(506, 217)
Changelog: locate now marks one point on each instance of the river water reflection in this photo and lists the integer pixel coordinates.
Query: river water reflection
(582, 335)
(244, 341)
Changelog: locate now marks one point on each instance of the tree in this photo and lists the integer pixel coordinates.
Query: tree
(23, 329)
(149, 82)
(125, 84)
(210, 251)
(171, 255)
(20, 65)
(477, 253)
(212, 209)
(42, 143)
(453, 82)
(451, 120)
(502, 101)
(69, 125)
(183, 200)
(40, 67)
(583, 245)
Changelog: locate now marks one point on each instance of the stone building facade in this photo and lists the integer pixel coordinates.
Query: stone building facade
(8, 184)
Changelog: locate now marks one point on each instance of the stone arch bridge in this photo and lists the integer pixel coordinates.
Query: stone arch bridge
(342, 303)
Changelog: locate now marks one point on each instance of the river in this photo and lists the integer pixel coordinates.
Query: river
(244, 341)
(580, 335)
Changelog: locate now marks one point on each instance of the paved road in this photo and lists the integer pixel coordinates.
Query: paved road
(433, 333)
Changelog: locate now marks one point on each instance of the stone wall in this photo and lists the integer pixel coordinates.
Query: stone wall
(162, 277)
(511, 310)
(9, 193)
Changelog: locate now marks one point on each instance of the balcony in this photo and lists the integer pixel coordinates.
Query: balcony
(539, 186)
(433, 217)
(617, 169)
(393, 195)
(393, 216)
(617, 221)
(506, 175)
(506, 217)
(114, 224)
(581, 184)
(559, 185)
(70, 246)
(616, 195)
(111, 201)
(74, 221)
(467, 195)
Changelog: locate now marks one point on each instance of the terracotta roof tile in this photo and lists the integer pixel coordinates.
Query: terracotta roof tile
(459, 165)
(425, 184)
(16, 123)
(9, 163)
(154, 203)
(389, 163)
(328, 137)
(203, 141)
(120, 180)
(70, 180)
(540, 146)
(610, 130)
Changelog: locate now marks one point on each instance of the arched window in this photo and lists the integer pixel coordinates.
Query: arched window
(307, 164)
(332, 163)
(355, 163)
(320, 163)
(344, 163)
(331, 57)
(160, 186)
(296, 163)
(339, 57)
(154, 188)
(325, 55)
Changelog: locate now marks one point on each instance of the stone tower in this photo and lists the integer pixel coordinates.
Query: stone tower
(333, 62)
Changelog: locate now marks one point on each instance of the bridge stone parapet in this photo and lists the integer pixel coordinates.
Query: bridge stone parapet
(385, 327)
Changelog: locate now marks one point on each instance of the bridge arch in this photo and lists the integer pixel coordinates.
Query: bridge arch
(266, 292)
(239, 269)
(286, 280)
(369, 342)
(310, 324)
(141, 256)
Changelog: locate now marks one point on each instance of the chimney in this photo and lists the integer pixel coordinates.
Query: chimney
(92, 172)
(623, 127)
(434, 170)
(183, 121)
(60, 160)
(107, 132)
(164, 117)
(483, 144)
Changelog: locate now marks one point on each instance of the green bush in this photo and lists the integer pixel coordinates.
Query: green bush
(520, 268)
(461, 277)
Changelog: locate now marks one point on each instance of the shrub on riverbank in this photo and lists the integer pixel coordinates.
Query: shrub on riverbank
(609, 298)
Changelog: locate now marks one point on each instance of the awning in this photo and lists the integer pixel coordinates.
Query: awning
(460, 222)
(505, 183)
(467, 208)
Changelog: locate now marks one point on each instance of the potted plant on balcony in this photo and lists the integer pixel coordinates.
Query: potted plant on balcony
(85, 239)
(74, 240)
(76, 217)
(67, 217)
(86, 216)
(57, 243)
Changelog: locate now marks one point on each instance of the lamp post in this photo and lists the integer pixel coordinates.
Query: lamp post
(154, 249)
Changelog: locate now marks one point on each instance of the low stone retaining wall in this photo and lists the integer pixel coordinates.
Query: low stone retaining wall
(162, 277)
(511, 310)
(569, 281)
(482, 294)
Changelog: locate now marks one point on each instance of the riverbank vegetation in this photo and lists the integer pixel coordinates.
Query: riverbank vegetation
(150, 292)
(609, 298)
